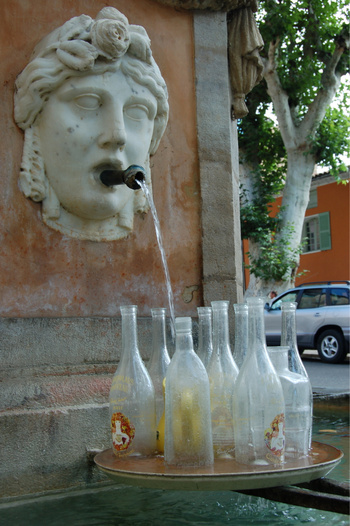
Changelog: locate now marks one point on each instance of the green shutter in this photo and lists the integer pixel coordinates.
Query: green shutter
(325, 231)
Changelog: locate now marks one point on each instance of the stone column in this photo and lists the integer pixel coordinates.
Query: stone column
(218, 161)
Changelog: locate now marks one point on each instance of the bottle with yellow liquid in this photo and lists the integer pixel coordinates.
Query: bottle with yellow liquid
(132, 399)
(188, 434)
(161, 428)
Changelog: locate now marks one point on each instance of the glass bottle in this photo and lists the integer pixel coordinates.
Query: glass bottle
(188, 435)
(295, 364)
(205, 344)
(296, 397)
(131, 398)
(222, 373)
(258, 402)
(159, 360)
(241, 333)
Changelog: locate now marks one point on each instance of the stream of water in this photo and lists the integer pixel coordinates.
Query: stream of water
(163, 256)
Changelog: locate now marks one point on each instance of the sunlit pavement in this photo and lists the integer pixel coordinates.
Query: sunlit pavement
(327, 379)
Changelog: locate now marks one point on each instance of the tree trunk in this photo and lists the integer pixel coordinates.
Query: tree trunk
(258, 286)
(294, 202)
(301, 166)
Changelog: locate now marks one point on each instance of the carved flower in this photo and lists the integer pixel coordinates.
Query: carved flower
(110, 37)
(77, 54)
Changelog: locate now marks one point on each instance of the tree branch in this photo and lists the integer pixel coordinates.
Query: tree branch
(330, 83)
(278, 96)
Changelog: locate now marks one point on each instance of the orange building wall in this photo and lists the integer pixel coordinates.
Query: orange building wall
(333, 264)
(44, 273)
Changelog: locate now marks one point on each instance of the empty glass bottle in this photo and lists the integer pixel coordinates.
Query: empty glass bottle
(131, 398)
(222, 373)
(295, 364)
(205, 344)
(258, 402)
(241, 333)
(296, 397)
(188, 436)
(159, 360)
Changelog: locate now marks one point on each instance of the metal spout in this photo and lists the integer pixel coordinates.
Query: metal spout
(130, 177)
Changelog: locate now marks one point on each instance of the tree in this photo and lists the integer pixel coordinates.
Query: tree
(305, 59)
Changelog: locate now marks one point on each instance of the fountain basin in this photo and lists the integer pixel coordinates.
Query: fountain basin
(224, 475)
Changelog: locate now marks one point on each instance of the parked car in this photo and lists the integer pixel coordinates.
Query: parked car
(322, 318)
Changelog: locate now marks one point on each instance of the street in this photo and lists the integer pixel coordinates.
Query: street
(327, 378)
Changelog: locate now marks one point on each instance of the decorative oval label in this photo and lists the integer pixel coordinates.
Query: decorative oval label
(123, 432)
(275, 435)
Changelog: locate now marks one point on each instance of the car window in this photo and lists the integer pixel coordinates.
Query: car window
(339, 296)
(312, 299)
(290, 296)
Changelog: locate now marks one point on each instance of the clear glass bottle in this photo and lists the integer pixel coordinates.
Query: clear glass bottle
(222, 373)
(295, 364)
(188, 435)
(205, 343)
(258, 402)
(159, 360)
(296, 397)
(241, 333)
(131, 398)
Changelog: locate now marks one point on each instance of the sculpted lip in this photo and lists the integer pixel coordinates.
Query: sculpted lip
(109, 173)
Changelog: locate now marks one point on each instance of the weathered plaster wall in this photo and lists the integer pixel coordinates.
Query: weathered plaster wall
(59, 307)
(44, 273)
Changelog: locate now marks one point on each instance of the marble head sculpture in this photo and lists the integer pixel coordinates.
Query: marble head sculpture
(91, 98)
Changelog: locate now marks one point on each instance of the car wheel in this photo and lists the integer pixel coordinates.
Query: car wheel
(331, 347)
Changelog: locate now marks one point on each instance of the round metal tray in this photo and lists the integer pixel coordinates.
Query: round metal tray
(224, 475)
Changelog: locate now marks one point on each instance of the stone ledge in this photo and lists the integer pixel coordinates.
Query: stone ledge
(43, 450)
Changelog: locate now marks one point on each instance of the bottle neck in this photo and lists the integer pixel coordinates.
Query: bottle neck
(241, 325)
(129, 331)
(204, 330)
(220, 326)
(158, 332)
(183, 341)
(289, 333)
(256, 326)
(289, 338)
(279, 358)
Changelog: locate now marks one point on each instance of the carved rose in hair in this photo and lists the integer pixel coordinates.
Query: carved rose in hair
(110, 37)
(77, 54)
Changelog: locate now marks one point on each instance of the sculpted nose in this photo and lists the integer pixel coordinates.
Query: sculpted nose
(113, 135)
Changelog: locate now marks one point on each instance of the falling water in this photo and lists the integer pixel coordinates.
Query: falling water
(162, 252)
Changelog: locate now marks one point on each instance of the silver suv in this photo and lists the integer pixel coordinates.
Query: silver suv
(322, 318)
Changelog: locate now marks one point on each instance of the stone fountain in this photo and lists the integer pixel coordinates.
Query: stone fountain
(72, 250)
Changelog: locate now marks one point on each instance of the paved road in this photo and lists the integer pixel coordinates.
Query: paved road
(327, 378)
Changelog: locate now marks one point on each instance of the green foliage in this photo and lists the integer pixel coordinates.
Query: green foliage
(332, 138)
(276, 258)
(307, 33)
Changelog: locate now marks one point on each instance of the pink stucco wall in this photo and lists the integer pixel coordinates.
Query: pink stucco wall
(44, 273)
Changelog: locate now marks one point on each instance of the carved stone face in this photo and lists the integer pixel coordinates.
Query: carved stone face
(91, 100)
(90, 124)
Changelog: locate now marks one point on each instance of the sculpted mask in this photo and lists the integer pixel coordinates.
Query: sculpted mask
(91, 99)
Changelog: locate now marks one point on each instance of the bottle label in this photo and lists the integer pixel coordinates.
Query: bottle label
(274, 437)
(123, 432)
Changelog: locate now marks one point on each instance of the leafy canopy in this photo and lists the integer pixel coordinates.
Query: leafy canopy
(306, 34)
